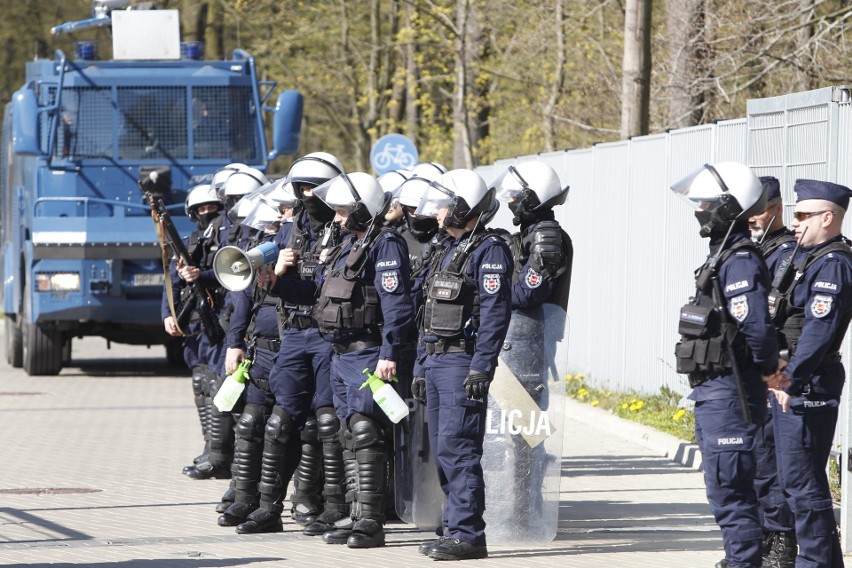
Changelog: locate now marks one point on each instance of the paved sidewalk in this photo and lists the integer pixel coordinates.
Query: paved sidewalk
(110, 435)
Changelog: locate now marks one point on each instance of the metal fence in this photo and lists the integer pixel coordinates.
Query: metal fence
(636, 244)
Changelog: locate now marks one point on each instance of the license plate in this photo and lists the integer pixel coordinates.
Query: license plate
(149, 279)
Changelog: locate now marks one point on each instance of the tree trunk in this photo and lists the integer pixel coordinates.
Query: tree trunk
(558, 79)
(214, 33)
(636, 82)
(689, 61)
(462, 155)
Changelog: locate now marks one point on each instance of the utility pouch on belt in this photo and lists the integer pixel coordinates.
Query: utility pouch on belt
(698, 321)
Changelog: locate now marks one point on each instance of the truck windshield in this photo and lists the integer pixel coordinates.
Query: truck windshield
(156, 123)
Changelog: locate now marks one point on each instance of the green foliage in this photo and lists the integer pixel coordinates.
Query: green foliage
(659, 411)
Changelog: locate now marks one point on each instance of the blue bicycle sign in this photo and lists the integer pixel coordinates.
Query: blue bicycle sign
(393, 152)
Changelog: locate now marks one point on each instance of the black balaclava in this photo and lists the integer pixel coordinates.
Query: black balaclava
(318, 212)
(204, 220)
(422, 228)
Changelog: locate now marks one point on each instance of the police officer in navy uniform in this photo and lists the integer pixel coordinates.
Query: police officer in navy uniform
(813, 310)
(254, 333)
(364, 309)
(776, 243)
(201, 346)
(466, 316)
(728, 344)
(299, 380)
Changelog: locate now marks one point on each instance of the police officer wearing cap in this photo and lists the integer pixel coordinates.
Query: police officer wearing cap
(813, 310)
(776, 243)
(467, 310)
(728, 344)
(364, 310)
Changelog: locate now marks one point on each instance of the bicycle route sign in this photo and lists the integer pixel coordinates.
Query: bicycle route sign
(393, 152)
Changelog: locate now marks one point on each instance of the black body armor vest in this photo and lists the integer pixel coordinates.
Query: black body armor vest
(348, 306)
(791, 319)
(452, 297)
(705, 330)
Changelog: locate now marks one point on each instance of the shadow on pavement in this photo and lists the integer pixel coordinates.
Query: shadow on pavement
(139, 367)
(194, 562)
(605, 465)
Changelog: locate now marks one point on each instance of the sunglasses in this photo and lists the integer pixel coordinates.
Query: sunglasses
(802, 215)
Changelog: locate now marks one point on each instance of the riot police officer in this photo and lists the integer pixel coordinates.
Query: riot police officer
(364, 309)
(813, 310)
(776, 243)
(200, 345)
(727, 344)
(254, 334)
(299, 380)
(466, 316)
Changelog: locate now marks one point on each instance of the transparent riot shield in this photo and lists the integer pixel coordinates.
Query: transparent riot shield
(522, 457)
(419, 499)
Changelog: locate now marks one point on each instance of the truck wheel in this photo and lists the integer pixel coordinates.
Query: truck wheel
(14, 343)
(42, 349)
(66, 351)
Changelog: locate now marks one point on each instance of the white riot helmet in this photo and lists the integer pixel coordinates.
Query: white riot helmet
(428, 170)
(722, 193)
(222, 175)
(411, 191)
(244, 181)
(314, 169)
(200, 195)
(390, 181)
(463, 192)
(529, 189)
(359, 194)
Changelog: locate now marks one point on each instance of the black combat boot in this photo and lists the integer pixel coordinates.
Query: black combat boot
(454, 549)
(426, 547)
(784, 551)
(281, 453)
(334, 490)
(342, 528)
(369, 505)
(228, 496)
(248, 455)
(307, 481)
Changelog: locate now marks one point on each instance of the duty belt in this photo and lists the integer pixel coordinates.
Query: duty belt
(301, 322)
(262, 384)
(350, 346)
(451, 346)
(269, 344)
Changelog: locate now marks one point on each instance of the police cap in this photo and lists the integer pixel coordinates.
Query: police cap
(814, 189)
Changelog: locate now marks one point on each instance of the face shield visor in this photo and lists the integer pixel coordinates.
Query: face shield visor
(339, 193)
(706, 192)
(283, 194)
(436, 198)
(262, 216)
(511, 186)
(410, 193)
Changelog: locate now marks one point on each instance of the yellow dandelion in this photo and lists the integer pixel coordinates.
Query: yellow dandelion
(624, 406)
(679, 414)
(582, 392)
(595, 402)
(569, 378)
(638, 405)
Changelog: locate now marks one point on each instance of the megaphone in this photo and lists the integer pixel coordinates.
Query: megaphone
(235, 268)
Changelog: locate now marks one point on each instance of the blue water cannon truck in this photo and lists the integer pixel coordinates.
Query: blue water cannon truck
(81, 256)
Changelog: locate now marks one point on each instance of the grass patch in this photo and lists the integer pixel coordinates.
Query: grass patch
(834, 479)
(659, 411)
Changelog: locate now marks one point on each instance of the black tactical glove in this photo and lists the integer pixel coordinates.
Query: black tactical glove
(418, 389)
(476, 384)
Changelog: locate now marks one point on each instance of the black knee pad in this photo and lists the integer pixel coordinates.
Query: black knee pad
(328, 426)
(198, 380)
(366, 432)
(310, 434)
(279, 427)
(250, 424)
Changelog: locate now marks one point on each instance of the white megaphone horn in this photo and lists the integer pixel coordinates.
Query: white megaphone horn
(235, 268)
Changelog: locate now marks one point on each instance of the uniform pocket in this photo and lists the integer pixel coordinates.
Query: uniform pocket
(730, 460)
(465, 419)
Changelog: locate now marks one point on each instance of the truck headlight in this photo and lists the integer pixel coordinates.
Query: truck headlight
(57, 282)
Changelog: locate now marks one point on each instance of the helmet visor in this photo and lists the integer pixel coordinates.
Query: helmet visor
(338, 193)
(263, 214)
(282, 193)
(510, 186)
(435, 198)
(702, 188)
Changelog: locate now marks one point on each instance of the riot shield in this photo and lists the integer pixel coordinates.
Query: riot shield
(522, 456)
(419, 499)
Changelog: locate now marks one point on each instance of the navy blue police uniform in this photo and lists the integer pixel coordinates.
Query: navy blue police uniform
(467, 312)
(775, 514)
(364, 310)
(725, 439)
(254, 328)
(815, 311)
(303, 370)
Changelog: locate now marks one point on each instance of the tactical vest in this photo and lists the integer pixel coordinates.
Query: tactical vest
(790, 319)
(452, 297)
(348, 306)
(770, 246)
(705, 331)
(202, 248)
(298, 316)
